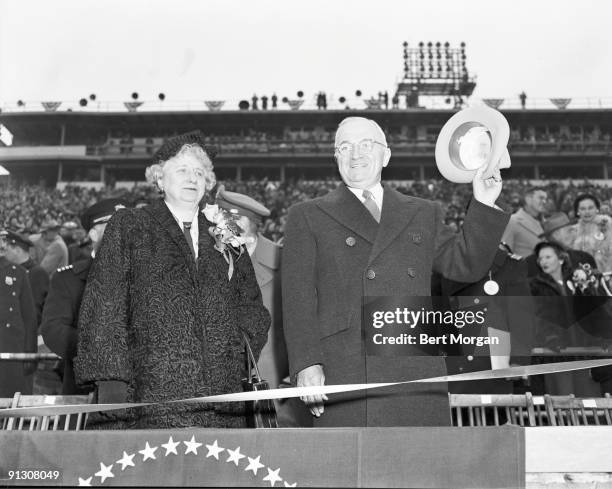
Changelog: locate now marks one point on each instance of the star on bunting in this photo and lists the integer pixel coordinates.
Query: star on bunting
(290, 485)
(126, 460)
(235, 456)
(104, 472)
(273, 476)
(171, 446)
(85, 482)
(254, 464)
(192, 446)
(148, 452)
(214, 450)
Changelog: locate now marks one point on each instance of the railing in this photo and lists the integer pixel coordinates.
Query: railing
(325, 147)
(307, 103)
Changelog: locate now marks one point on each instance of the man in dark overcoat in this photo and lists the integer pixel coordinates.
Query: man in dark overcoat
(17, 325)
(61, 313)
(351, 244)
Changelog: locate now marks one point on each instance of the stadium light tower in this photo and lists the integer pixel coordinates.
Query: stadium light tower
(435, 69)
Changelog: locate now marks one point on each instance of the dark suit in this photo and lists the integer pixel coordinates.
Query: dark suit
(39, 282)
(61, 315)
(336, 254)
(164, 325)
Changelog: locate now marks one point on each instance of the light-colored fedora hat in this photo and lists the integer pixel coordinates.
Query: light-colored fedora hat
(471, 138)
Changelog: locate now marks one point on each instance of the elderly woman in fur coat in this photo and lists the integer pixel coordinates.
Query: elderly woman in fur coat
(163, 312)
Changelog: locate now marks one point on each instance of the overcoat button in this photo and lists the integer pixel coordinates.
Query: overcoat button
(470, 358)
(476, 300)
(370, 274)
(412, 272)
(350, 241)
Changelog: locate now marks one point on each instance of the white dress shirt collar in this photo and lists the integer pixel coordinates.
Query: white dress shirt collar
(194, 231)
(377, 194)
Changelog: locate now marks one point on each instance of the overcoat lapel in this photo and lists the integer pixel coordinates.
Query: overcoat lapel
(160, 212)
(342, 205)
(397, 212)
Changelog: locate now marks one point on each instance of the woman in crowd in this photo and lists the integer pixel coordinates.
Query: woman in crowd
(553, 297)
(593, 231)
(161, 317)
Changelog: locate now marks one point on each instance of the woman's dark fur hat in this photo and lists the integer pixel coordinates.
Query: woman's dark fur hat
(173, 145)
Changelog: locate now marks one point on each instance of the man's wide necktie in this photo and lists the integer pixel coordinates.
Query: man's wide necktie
(187, 233)
(371, 205)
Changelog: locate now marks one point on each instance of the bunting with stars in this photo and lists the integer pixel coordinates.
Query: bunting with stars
(290, 457)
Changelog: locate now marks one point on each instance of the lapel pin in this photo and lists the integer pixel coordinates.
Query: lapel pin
(8, 280)
(350, 241)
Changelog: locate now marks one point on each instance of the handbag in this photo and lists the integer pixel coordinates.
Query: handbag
(260, 414)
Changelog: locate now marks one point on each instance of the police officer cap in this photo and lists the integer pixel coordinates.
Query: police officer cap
(17, 239)
(241, 204)
(101, 212)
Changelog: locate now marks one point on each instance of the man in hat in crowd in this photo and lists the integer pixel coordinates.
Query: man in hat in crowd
(525, 226)
(60, 315)
(266, 257)
(365, 240)
(17, 325)
(50, 251)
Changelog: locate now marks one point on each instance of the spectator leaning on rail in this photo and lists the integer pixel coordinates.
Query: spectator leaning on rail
(163, 313)
(61, 313)
(364, 239)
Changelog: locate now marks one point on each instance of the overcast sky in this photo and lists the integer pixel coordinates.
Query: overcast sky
(230, 49)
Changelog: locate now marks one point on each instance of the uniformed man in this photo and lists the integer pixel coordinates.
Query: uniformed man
(504, 296)
(18, 253)
(60, 315)
(46, 378)
(266, 258)
(17, 325)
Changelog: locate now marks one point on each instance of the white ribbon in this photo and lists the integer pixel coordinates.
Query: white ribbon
(520, 371)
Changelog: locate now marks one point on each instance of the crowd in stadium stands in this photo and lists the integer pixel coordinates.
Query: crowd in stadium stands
(26, 207)
(287, 139)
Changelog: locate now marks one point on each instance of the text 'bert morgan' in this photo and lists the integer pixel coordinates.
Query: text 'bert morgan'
(408, 318)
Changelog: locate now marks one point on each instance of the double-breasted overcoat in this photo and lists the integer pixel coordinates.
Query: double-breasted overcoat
(335, 255)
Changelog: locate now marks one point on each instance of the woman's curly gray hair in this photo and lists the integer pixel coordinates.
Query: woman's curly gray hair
(155, 172)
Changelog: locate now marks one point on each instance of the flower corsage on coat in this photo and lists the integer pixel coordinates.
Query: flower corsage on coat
(229, 233)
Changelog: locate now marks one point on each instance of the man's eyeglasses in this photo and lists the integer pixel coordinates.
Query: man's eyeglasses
(365, 146)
